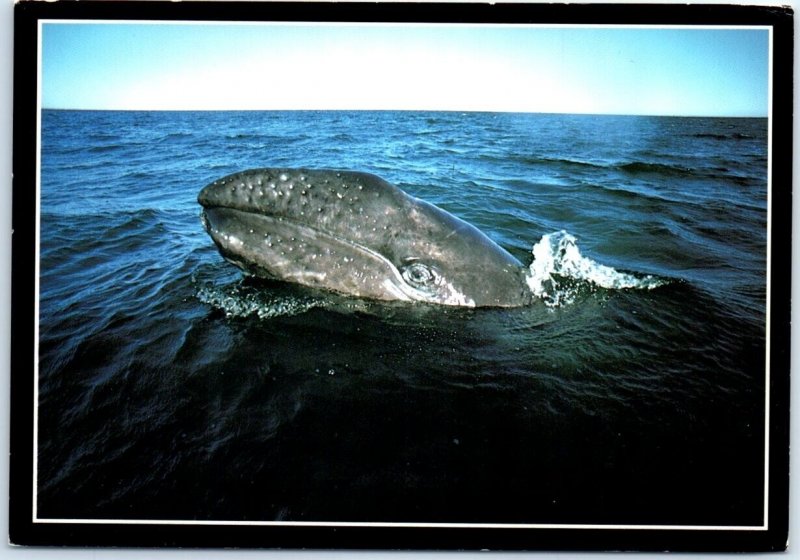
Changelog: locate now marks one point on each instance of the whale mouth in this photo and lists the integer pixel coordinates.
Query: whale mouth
(354, 233)
(281, 248)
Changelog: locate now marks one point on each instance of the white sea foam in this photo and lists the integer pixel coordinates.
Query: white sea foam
(236, 303)
(559, 269)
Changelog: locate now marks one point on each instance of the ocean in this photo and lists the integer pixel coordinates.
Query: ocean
(632, 391)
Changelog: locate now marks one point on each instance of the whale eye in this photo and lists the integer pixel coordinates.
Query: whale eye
(419, 275)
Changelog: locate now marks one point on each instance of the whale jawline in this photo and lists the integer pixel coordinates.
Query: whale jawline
(355, 234)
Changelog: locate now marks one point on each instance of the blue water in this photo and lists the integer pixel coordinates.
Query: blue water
(172, 387)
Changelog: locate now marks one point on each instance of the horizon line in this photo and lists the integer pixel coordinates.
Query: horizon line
(408, 110)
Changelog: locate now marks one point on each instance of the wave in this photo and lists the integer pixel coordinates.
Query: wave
(631, 167)
(243, 136)
(637, 167)
(576, 163)
(559, 272)
(734, 136)
(172, 136)
(104, 148)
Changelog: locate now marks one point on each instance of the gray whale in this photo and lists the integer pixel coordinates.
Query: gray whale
(356, 234)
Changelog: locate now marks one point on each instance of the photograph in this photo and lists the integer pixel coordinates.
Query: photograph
(459, 277)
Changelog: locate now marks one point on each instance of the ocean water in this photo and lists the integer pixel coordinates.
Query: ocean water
(631, 392)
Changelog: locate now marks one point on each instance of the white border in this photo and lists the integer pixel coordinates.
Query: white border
(767, 347)
(756, 528)
(37, 268)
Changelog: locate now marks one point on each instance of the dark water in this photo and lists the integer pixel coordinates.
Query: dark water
(631, 392)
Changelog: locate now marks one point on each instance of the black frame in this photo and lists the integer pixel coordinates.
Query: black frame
(24, 531)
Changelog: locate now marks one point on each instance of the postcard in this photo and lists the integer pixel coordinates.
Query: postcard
(387, 276)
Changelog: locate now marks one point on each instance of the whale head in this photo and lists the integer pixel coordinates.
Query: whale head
(356, 234)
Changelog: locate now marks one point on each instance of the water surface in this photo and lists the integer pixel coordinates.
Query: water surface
(172, 387)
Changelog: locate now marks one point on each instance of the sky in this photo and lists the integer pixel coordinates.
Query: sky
(625, 70)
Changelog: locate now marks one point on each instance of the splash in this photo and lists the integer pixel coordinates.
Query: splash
(235, 301)
(559, 272)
